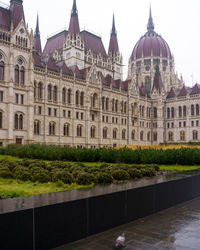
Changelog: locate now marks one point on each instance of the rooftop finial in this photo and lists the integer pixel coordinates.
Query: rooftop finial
(113, 33)
(74, 8)
(150, 25)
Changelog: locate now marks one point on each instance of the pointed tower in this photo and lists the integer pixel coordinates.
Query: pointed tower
(37, 42)
(158, 84)
(113, 53)
(74, 22)
(113, 47)
(16, 12)
(74, 45)
(150, 25)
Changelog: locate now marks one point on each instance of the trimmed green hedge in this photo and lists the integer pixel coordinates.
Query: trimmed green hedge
(182, 156)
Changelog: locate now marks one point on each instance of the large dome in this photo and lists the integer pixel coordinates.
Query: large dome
(151, 44)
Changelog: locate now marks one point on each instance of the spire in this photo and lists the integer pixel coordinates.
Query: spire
(74, 22)
(113, 47)
(37, 31)
(37, 42)
(158, 84)
(150, 25)
(114, 32)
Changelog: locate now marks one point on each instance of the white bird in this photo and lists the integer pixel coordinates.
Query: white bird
(120, 241)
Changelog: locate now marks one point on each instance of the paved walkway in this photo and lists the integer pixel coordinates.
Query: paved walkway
(174, 228)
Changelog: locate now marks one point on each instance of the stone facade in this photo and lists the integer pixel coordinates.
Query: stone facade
(73, 93)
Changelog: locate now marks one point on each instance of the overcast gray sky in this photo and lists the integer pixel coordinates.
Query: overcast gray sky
(178, 21)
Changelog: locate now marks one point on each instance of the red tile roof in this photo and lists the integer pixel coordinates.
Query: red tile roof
(183, 92)
(113, 47)
(93, 42)
(124, 85)
(195, 90)
(74, 25)
(171, 93)
(37, 45)
(4, 19)
(55, 43)
(37, 60)
(51, 65)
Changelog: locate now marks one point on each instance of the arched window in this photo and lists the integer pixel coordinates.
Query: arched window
(133, 135)
(195, 135)
(69, 96)
(105, 133)
(122, 107)
(1, 71)
(114, 133)
(18, 121)
(125, 107)
(1, 120)
(94, 101)
(92, 132)
(172, 112)
(66, 129)
(192, 109)
(168, 113)
(52, 128)
(182, 136)
(21, 122)
(17, 74)
(35, 89)
(49, 92)
(107, 103)
(184, 111)
(22, 75)
(155, 112)
(64, 95)
(77, 97)
(113, 105)
(36, 127)
(149, 136)
(82, 99)
(124, 134)
(116, 106)
(142, 111)
(79, 130)
(180, 111)
(197, 109)
(55, 94)
(141, 136)
(155, 136)
(170, 136)
(103, 102)
(40, 90)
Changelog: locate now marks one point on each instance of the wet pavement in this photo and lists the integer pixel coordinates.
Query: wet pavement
(174, 228)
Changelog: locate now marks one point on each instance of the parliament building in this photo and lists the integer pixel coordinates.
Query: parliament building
(73, 93)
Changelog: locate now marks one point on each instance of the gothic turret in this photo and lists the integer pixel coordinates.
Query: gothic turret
(74, 22)
(157, 84)
(16, 12)
(37, 42)
(113, 47)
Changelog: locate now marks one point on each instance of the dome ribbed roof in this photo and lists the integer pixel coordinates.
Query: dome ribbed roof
(151, 44)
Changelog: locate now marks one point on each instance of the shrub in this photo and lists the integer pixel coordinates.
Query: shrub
(41, 176)
(148, 172)
(85, 178)
(5, 172)
(63, 176)
(21, 174)
(135, 173)
(120, 175)
(104, 178)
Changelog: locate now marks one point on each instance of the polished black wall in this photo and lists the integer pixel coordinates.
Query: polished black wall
(55, 225)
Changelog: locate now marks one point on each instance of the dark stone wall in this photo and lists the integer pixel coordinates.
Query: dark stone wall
(55, 225)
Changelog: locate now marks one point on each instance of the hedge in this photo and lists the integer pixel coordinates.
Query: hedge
(182, 156)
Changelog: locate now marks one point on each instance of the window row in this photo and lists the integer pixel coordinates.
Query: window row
(182, 136)
(182, 111)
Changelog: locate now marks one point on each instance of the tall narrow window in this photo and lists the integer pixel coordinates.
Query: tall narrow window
(133, 135)
(192, 109)
(103, 102)
(116, 106)
(155, 112)
(107, 103)
(22, 75)
(82, 99)
(40, 90)
(69, 96)
(184, 111)
(79, 130)
(55, 94)
(172, 112)
(52, 128)
(180, 111)
(197, 109)
(1, 120)
(17, 74)
(36, 127)
(35, 89)
(182, 136)
(105, 133)
(66, 130)
(1, 71)
(195, 135)
(124, 134)
(92, 132)
(114, 133)
(77, 97)
(21, 122)
(170, 136)
(49, 92)
(64, 95)
(168, 113)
